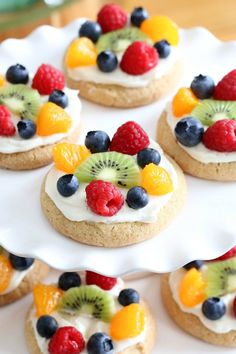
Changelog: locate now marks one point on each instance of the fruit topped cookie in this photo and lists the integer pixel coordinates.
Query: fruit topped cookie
(112, 191)
(124, 60)
(90, 314)
(198, 128)
(34, 115)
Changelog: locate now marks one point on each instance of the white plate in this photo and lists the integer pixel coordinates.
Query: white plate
(206, 227)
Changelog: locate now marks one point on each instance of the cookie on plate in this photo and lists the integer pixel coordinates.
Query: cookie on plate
(118, 63)
(112, 192)
(198, 128)
(93, 312)
(201, 299)
(34, 115)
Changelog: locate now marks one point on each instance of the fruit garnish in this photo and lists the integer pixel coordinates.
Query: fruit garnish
(100, 343)
(59, 97)
(81, 52)
(189, 131)
(68, 156)
(138, 15)
(2, 81)
(53, 119)
(107, 61)
(91, 30)
(163, 48)
(26, 128)
(226, 87)
(192, 288)
(6, 272)
(47, 78)
(17, 74)
(203, 86)
(156, 180)
(231, 253)
(194, 264)
(97, 141)
(184, 102)
(128, 296)
(67, 185)
(69, 280)
(213, 308)
(7, 127)
(46, 299)
(46, 326)
(103, 282)
(137, 198)
(112, 17)
(161, 27)
(66, 340)
(221, 136)
(128, 322)
(20, 263)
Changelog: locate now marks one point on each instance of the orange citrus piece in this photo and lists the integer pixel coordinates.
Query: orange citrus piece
(184, 102)
(46, 299)
(81, 52)
(128, 322)
(161, 27)
(2, 81)
(6, 271)
(192, 288)
(156, 180)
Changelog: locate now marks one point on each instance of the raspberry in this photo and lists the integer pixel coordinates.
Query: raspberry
(231, 253)
(139, 58)
(47, 79)
(7, 127)
(66, 340)
(221, 136)
(226, 88)
(104, 198)
(111, 17)
(234, 306)
(105, 283)
(129, 139)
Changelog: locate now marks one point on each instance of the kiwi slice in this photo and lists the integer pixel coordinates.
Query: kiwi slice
(220, 278)
(21, 100)
(118, 41)
(90, 300)
(209, 111)
(109, 166)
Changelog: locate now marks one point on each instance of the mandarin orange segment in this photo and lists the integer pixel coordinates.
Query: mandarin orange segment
(192, 288)
(128, 322)
(2, 81)
(184, 102)
(68, 156)
(156, 180)
(81, 52)
(161, 27)
(6, 272)
(53, 119)
(46, 299)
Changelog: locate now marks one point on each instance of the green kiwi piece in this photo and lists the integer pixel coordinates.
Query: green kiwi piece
(21, 100)
(114, 167)
(220, 277)
(209, 111)
(118, 41)
(90, 300)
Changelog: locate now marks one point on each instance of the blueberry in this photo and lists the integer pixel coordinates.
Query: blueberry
(163, 48)
(26, 128)
(128, 296)
(59, 97)
(91, 30)
(203, 86)
(17, 74)
(69, 280)
(137, 198)
(97, 141)
(194, 264)
(67, 185)
(189, 131)
(148, 155)
(20, 263)
(100, 343)
(213, 308)
(107, 61)
(138, 15)
(46, 326)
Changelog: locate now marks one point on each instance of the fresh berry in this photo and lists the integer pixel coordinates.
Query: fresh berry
(137, 198)
(184, 102)
(139, 58)
(100, 343)
(17, 74)
(234, 307)
(107, 61)
(66, 340)
(47, 79)
(68, 156)
(111, 17)
(128, 296)
(221, 136)
(159, 28)
(46, 326)
(105, 283)
(231, 253)
(203, 86)
(7, 127)
(191, 289)
(91, 30)
(104, 198)
(20, 263)
(97, 141)
(59, 97)
(69, 280)
(46, 299)
(6, 273)
(194, 264)
(148, 155)
(67, 185)
(189, 131)
(129, 139)
(156, 180)
(26, 128)
(163, 48)
(138, 15)
(226, 89)
(213, 308)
